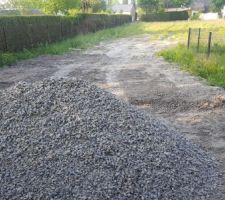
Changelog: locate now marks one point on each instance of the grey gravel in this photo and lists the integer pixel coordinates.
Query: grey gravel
(68, 139)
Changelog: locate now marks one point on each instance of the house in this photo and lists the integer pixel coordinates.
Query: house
(203, 6)
(209, 16)
(125, 7)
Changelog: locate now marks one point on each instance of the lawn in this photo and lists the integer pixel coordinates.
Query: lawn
(212, 68)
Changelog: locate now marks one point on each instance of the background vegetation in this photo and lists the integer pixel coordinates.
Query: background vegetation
(218, 4)
(152, 6)
(56, 7)
(63, 7)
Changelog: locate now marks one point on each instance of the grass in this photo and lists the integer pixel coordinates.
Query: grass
(212, 69)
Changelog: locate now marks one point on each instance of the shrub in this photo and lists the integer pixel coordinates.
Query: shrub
(20, 32)
(165, 16)
(195, 16)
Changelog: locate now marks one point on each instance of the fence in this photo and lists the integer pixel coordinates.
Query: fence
(205, 41)
(18, 33)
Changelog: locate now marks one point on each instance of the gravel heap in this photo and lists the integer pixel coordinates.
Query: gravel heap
(68, 139)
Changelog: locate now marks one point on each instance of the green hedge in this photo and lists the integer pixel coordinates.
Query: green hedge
(166, 16)
(20, 32)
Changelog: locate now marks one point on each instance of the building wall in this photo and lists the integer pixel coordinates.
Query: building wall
(125, 1)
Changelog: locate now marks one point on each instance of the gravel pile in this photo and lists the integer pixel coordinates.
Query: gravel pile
(67, 139)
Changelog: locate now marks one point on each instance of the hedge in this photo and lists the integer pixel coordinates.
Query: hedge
(21, 32)
(166, 16)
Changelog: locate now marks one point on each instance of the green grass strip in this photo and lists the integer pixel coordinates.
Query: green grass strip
(212, 69)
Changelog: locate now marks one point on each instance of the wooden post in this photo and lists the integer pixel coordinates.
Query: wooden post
(199, 38)
(209, 43)
(5, 46)
(48, 34)
(189, 38)
(61, 30)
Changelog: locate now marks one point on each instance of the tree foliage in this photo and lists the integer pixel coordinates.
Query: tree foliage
(149, 5)
(176, 3)
(99, 5)
(155, 5)
(218, 4)
(58, 6)
(23, 4)
(93, 5)
(181, 2)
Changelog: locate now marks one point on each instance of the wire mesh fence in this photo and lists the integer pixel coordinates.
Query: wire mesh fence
(205, 41)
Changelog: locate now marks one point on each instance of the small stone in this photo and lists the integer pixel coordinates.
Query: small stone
(68, 139)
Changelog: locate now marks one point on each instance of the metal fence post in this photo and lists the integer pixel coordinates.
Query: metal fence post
(199, 38)
(209, 43)
(189, 38)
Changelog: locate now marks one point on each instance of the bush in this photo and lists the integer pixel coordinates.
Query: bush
(195, 16)
(19, 32)
(165, 16)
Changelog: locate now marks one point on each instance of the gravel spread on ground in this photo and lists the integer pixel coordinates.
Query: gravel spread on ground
(68, 139)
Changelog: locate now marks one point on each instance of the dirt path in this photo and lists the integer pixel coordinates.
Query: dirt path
(129, 68)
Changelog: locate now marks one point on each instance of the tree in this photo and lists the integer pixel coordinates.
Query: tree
(99, 5)
(176, 3)
(23, 4)
(149, 5)
(181, 2)
(93, 5)
(56, 6)
(48, 6)
(218, 4)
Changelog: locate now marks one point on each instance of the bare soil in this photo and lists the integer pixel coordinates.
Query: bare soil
(131, 69)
